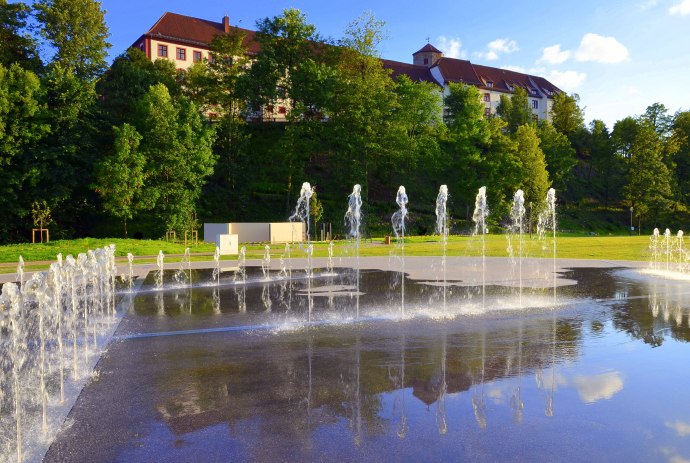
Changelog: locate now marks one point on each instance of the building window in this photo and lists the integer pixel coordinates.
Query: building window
(426, 60)
(197, 56)
(163, 51)
(282, 110)
(182, 54)
(489, 84)
(511, 87)
(487, 112)
(535, 104)
(534, 91)
(487, 97)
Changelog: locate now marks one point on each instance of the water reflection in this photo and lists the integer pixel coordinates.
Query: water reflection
(368, 388)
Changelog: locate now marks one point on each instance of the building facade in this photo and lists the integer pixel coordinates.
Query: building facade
(186, 40)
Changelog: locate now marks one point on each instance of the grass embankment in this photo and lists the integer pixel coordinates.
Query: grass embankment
(36, 256)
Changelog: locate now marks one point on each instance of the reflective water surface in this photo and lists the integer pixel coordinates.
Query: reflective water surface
(286, 371)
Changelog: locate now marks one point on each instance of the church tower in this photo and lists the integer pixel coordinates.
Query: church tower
(427, 55)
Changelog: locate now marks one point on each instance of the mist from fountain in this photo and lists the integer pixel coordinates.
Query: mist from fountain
(329, 265)
(481, 212)
(442, 229)
(667, 247)
(398, 222)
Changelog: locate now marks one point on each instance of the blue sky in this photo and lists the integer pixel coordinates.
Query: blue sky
(619, 56)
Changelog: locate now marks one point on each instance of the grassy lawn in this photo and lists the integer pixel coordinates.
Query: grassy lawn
(583, 247)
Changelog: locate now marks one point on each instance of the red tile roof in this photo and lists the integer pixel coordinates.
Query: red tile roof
(195, 31)
(427, 48)
(185, 29)
(414, 72)
(458, 70)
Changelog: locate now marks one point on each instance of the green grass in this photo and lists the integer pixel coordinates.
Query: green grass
(568, 246)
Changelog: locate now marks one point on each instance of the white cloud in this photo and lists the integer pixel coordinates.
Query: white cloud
(498, 47)
(682, 8)
(681, 428)
(451, 47)
(595, 47)
(567, 80)
(594, 388)
(554, 55)
(515, 68)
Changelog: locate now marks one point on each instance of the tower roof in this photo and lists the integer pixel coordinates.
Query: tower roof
(427, 48)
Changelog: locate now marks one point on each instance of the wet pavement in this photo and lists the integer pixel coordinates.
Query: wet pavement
(307, 370)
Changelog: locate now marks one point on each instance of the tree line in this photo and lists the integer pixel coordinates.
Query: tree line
(141, 148)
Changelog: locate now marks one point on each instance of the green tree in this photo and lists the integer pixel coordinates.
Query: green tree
(22, 127)
(177, 147)
(515, 109)
(648, 188)
(18, 46)
(681, 130)
(606, 162)
(121, 176)
(76, 30)
(566, 115)
(535, 178)
(657, 115)
(558, 153)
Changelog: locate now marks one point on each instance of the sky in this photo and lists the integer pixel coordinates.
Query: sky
(618, 56)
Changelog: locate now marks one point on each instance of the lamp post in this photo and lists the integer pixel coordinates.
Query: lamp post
(631, 225)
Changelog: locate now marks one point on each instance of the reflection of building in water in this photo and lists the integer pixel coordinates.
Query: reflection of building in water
(268, 378)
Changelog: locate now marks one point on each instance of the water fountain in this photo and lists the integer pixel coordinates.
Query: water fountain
(681, 254)
(517, 215)
(266, 263)
(398, 221)
(481, 212)
(51, 326)
(301, 214)
(654, 248)
(130, 271)
(20, 271)
(442, 229)
(667, 247)
(353, 220)
(241, 265)
(547, 222)
(161, 267)
(329, 265)
(216, 265)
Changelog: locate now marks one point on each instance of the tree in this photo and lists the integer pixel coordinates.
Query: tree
(681, 130)
(121, 176)
(76, 30)
(129, 79)
(515, 109)
(177, 147)
(22, 127)
(657, 115)
(535, 178)
(607, 164)
(287, 45)
(649, 181)
(558, 153)
(566, 115)
(624, 133)
(17, 46)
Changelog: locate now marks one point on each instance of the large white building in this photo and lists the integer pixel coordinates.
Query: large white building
(186, 40)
